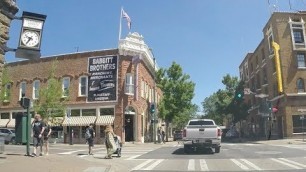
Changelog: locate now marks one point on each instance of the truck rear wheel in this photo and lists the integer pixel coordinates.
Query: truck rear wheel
(217, 150)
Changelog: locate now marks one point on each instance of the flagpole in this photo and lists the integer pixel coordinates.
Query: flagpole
(120, 24)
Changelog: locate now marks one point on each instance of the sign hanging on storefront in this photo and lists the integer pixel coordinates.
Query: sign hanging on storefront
(102, 80)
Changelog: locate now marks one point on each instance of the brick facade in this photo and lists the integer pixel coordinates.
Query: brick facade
(11, 7)
(284, 122)
(74, 66)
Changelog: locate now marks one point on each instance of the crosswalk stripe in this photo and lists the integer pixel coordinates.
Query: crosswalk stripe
(132, 157)
(154, 164)
(142, 164)
(251, 164)
(285, 163)
(293, 162)
(70, 152)
(191, 165)
(240, 164)
(82, 156)
(203, 165)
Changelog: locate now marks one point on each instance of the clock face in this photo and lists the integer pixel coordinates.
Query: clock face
(30, 38)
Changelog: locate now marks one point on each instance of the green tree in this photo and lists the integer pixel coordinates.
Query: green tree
(219, 105)
(180, 121)
(51, 103)
(178, 92)
(5, 93)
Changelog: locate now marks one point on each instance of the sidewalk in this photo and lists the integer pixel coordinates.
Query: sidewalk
(51, 163)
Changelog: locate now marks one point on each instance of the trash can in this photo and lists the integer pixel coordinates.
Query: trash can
(2, 144)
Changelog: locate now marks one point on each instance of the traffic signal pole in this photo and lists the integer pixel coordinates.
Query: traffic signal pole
(154, 100)
(28, 130)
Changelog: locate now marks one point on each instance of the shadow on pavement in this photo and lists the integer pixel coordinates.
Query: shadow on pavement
(206, 151)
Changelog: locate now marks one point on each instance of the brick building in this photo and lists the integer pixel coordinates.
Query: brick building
(114, 86)
(10, 7)
(258, 70)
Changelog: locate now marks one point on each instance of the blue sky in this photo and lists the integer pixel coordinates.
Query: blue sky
(208, 38)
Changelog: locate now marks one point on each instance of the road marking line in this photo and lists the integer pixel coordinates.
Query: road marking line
(132, 157)
(70, 152)
(142, 165)
(191, 165)
(203, 165)
(240, 164)
(285, 163)
(293, 162)
(154, 164)
(251, 164)
(82, 156)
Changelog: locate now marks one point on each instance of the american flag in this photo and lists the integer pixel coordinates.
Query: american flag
(128, 19)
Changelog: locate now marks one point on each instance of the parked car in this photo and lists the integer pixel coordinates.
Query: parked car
(8, 134)
(177, 135)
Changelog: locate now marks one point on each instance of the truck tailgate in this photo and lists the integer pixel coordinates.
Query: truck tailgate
(201, 132)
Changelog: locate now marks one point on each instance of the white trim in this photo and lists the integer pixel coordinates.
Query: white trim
(63, 86)
(20, 89)
(80, 84)
(33, 93)
(302, 28)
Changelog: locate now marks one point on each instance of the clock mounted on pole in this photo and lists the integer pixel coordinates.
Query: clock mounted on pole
(30, 35)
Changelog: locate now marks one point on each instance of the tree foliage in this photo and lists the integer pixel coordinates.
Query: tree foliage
(51, 103)
(5, 94)
(178, 91)
(223, 103)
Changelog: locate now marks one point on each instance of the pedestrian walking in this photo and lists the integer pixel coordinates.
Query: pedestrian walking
(38, 131)
(109, 141)
(47, 134)
(89, 136)
(163, 136)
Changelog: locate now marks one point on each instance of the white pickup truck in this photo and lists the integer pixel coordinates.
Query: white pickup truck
(202, 133)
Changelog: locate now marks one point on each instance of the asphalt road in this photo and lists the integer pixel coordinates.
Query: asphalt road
(171, 157)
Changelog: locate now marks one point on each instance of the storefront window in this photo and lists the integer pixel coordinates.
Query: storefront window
(76, 132)
(107, 111)
(88, 112)
(75, 112)
(297, 124)
(102, 131)
(83, 131)
(5, 116)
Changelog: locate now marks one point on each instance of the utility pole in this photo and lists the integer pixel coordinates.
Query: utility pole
(154, 101)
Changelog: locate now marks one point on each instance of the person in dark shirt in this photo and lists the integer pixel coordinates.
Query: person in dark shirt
(38, 131)
(90, 139)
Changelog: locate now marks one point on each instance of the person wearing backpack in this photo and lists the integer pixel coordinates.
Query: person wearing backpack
(89, 136)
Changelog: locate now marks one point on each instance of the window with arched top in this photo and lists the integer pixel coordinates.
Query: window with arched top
(300, 85)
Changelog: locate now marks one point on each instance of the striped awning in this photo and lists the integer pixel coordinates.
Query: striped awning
(105, 120)
(56, 121)
(11, 124)
(3, 122)
(79, 120)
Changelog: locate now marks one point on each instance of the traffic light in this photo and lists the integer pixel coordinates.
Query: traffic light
(239, 95)
(24, 102)
(152, 108)
(269, 106)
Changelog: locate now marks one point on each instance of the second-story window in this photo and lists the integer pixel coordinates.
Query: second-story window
(22, 89)
(83, 86)
(297, 33)
(300, 85)
(36, 85)
(7, 92)
(301, 60)
(65, 86)
(129, 84)
(142, 92)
